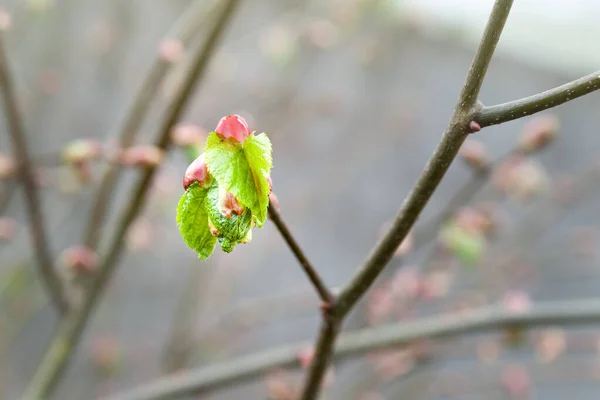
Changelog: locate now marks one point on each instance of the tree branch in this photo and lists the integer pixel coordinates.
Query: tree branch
(70, 329)
(498, 114)
(457, 131)
(184, 30)
(310, 271)
(226, 374)
(37, 230)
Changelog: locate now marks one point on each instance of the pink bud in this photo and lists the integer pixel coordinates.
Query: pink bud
(474, 154)
(80, 259)
(170, 50)
(143, 155)
(270, 181)
(196, 172)
(187, 135)
(516, 380)
(233, 127)
(538, 133)
(516, 302)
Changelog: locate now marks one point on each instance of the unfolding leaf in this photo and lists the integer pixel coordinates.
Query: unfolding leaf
(233, 228)
(192, 219)
(242, 169)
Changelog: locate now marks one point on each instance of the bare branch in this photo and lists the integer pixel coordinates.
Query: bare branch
(458, 129)
(70, 329)
(32, 202)
(501, 113)
(310, 271)
(226, 374)
(184, 30)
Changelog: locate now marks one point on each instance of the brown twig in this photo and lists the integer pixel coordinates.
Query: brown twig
(69, 331)
(34, 212)
(485, 319)
(184, 31)
(310, 271)
(498, 114)
(458, 129)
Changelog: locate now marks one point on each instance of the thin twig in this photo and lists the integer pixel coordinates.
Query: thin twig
(310, 271)
(184, 31)
(32, 202)
(498, 114)
(458, 129)
(485, 319)
(69, 331)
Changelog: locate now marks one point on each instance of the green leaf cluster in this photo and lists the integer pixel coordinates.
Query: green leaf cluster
(239, 168)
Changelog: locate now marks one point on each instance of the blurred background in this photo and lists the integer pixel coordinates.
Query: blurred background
(354, 95)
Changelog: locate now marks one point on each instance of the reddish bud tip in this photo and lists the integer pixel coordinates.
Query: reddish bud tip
(196, 172)
(270, 181)
(80, 259)
(144, 155)
(474, 126)
(474, 154)
(233, 127)
(538, 133)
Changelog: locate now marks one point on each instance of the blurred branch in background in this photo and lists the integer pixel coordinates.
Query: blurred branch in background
(71, 327)
(181, 35)
(36, 219)
(458, 129)
(355, 343)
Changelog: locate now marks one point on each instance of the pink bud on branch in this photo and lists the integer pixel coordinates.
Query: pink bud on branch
(142, 155)
(80, 259)
(539, 133)
(196, 172)
(233, 127)
(474, 154)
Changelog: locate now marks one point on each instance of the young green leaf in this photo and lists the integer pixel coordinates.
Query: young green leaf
(468, 247)
(192, 220)
(235, 227)
(242, 169)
